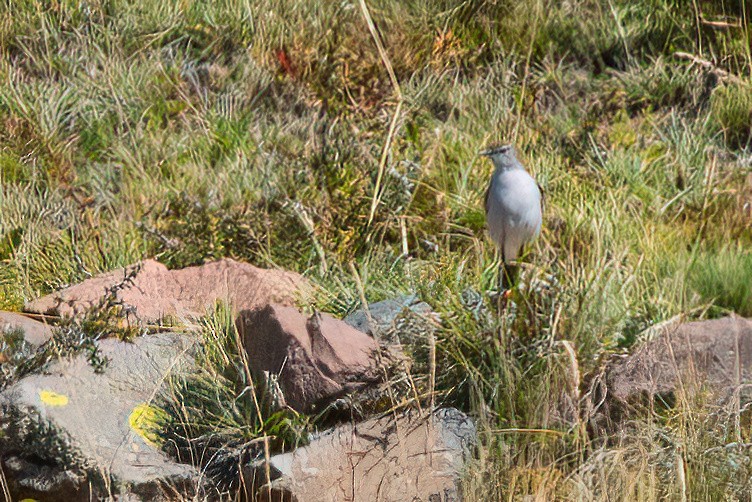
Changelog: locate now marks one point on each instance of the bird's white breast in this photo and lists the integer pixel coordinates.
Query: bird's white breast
(514, 210)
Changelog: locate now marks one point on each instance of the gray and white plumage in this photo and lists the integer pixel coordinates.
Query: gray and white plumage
(513, 204)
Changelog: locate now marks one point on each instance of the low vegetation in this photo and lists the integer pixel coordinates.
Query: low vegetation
(340, 140)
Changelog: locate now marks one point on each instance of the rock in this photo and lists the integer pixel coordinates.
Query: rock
(405, 327)
(71, 421)
(316, 359)
(410, 458)
(34, 332)
(690, 355)
(385, 314)
(150, 292)
(28, 479)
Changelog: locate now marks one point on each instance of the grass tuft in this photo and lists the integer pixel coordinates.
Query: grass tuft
(216, 417)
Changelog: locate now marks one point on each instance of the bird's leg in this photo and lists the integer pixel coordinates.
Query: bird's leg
(512, 270)
(507, 274)
(502, 269)
(502, 298)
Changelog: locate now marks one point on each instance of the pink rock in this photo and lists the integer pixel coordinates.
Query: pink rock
(154, 292)
(316, 359)
(34, 332)
(407, 458)
(715, 353)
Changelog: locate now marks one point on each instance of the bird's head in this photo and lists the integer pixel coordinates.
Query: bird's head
(502, 156)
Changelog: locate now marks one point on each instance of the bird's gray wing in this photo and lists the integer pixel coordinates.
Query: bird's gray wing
(543, 198)
(485, 198)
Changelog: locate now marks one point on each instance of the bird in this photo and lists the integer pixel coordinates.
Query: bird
(514, 212)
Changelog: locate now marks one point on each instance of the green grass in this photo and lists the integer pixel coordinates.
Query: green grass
(189, 131)
(721, 278)
(216, 416)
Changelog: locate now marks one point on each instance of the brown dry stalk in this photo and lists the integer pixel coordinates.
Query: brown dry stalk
(4, 484)
(709, 66)
(681, 475)
(517, 430)
(249, 376)
(528, 58)
(307, 222)
(363, 301)
(719, 24)
(574, 367)
(393, 125)
(377, 337)
(432, 368)
(45, 318)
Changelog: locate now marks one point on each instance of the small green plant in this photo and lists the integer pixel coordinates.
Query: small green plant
(723, 279)
(217, 417)
(731, 111)
(14, 352)
(79, 334)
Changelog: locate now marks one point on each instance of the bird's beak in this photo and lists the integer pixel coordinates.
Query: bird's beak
(484, 153)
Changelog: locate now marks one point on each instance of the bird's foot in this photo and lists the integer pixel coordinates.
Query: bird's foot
(494, 295)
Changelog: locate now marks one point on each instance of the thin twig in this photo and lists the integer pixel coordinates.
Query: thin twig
(517, 430)
(523, 91)
(54, 320)
(708, 65)
(307, 222)
(393, 125)
(719, 24)
(4, 484)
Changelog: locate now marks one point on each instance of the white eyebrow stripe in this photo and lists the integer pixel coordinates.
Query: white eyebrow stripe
(498, 149)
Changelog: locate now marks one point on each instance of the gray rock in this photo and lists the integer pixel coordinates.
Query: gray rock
(386, 313)
(34, 332)
(411, 458)
(29, 479)
(82, 421)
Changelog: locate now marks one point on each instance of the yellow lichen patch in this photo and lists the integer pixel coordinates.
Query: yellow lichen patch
(53, 398)
(145, 421)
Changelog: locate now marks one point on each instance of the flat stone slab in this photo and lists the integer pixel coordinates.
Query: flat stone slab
(715, 354)
(411, 458)
(149, 291)
(315, 359)
(385, 314)
(34, 332)
(97, 420)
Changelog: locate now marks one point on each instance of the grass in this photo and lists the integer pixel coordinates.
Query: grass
(217, 417)
(257, 129)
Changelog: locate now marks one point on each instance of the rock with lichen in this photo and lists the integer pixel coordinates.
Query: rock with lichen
(76, 431)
